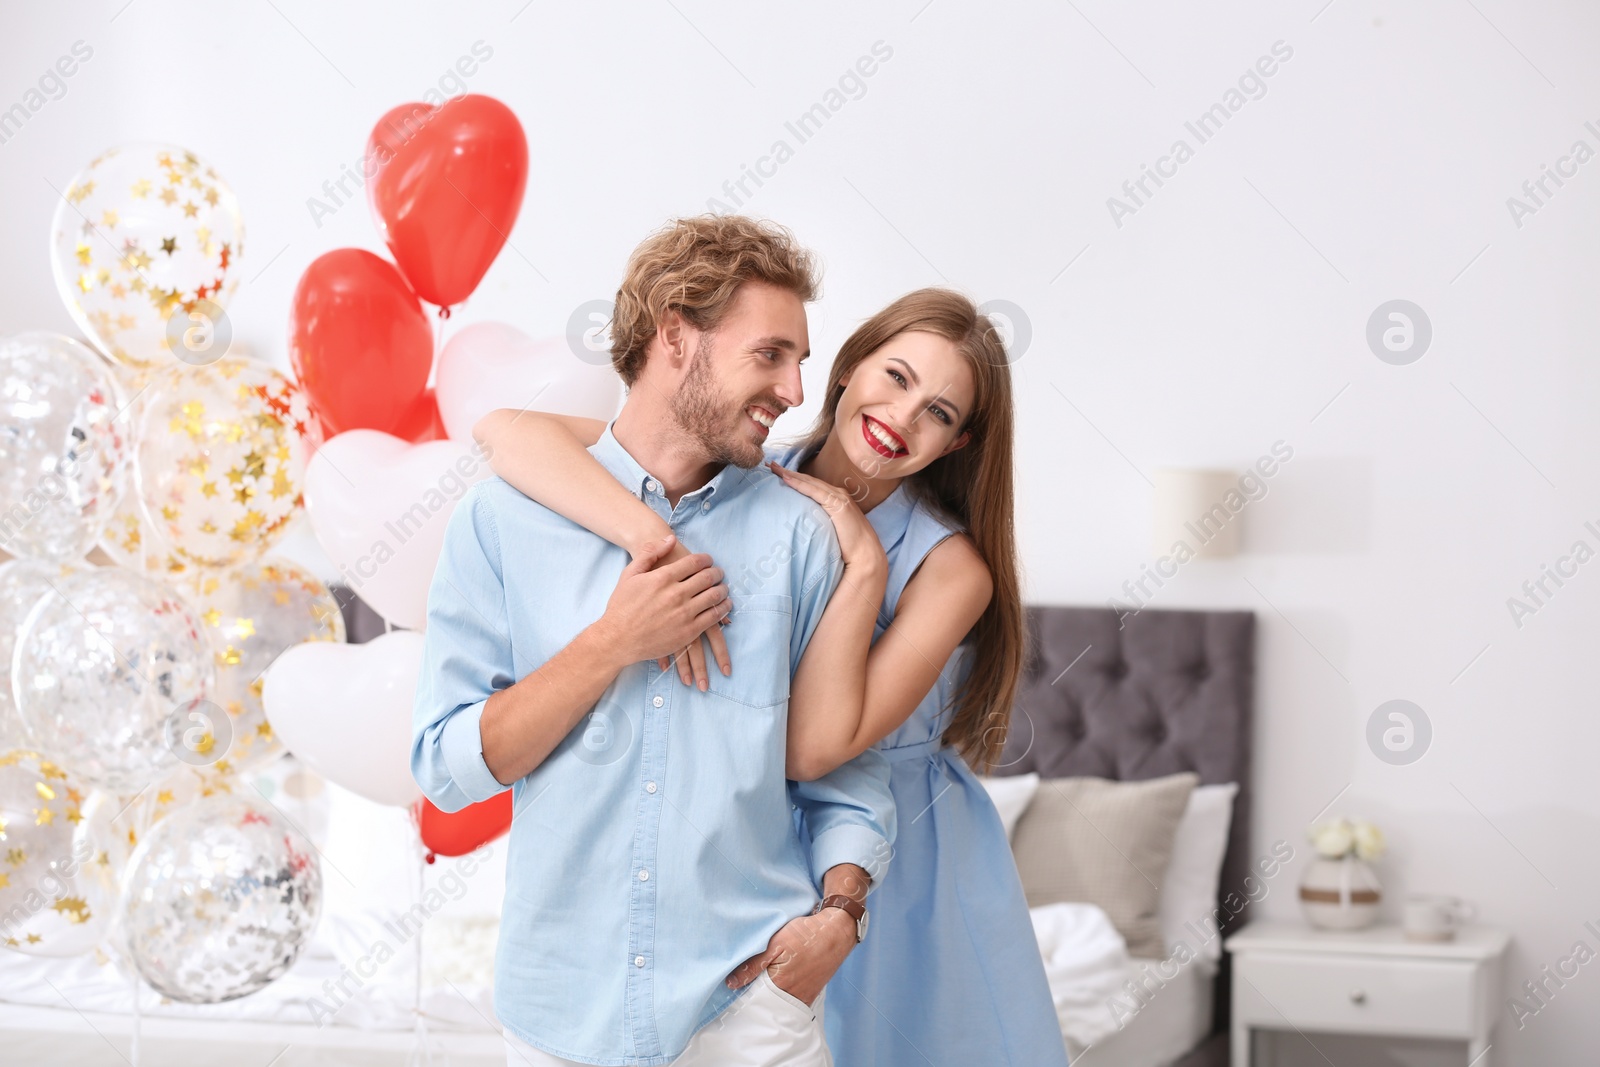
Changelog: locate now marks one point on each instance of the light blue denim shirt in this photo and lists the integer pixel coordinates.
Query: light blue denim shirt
(660, 845)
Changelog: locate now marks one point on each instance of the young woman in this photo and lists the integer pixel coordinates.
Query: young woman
(917, 654)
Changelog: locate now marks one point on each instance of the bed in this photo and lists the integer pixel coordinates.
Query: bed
(1170, 691)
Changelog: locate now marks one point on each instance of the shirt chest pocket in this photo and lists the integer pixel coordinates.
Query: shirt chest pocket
(758, 644)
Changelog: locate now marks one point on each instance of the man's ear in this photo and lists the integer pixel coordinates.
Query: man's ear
(959, 443)
(674, 341)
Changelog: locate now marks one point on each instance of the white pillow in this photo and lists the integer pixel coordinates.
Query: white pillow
(1189, 890)
(1011, 794)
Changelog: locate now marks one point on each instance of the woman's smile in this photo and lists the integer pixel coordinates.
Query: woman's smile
(882, 440)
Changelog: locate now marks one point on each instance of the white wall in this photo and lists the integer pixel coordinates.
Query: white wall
(1227, 313)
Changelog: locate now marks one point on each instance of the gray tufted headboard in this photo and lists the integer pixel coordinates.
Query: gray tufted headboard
(1168, 691)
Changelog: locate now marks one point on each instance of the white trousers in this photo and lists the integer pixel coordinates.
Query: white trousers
(765, 1027)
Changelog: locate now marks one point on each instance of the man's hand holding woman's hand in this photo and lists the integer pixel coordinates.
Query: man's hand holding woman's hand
(690, 656)
(662, 604)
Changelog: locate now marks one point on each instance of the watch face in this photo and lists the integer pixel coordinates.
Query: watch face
(861, 928)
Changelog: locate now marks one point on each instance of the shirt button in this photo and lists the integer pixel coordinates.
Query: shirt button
(653, 485)
(638, 961)
(658, 702)
(644, 875)
(649, 787)
(706, 506)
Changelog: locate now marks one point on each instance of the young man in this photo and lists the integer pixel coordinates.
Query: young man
(655, 846)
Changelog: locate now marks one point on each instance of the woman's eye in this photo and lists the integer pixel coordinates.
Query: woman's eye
(942, 415)
(896, 376)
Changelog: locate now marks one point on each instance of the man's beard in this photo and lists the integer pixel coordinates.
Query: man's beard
(702, 411)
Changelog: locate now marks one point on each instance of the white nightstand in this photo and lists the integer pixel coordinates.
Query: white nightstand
(1289, 976)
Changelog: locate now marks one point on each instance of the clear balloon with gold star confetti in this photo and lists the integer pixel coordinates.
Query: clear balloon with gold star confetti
(221, 459)
(130, 541)
(52, 902)
(128, 538)
(251, 615)
(146, 244)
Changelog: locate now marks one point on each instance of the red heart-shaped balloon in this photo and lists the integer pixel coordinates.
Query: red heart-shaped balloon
(447, 190)
(359, 342)
(423, 422)
(455, 833)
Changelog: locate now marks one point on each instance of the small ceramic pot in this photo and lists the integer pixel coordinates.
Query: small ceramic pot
(1341, 894)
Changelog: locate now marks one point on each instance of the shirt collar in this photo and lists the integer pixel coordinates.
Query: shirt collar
(616, 459)
(723, 486)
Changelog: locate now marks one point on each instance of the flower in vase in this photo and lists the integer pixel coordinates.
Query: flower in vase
(1332, 839)
(1369, 841)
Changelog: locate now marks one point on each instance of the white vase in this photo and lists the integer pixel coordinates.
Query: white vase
(1341, 894)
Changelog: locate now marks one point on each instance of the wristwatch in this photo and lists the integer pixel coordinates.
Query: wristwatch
(851, 907)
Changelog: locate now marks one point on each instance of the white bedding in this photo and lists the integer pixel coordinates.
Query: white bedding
(1174, 1019)
(1115, 1009)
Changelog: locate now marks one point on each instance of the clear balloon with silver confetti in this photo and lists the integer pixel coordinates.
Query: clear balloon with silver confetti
(22, 583)
(109, 672)
(64, 446)
(220, 900)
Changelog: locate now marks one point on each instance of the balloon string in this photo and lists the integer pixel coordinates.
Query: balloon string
(133, 1041)
(422, 1055)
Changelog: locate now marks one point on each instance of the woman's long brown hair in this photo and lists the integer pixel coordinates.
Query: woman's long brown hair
(971, 485)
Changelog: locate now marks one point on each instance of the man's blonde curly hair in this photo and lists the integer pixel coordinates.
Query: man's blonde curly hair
(694, 266)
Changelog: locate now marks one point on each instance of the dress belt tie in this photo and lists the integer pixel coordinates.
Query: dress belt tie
(914, 751)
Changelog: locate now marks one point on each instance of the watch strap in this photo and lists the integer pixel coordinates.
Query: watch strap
(852, 907)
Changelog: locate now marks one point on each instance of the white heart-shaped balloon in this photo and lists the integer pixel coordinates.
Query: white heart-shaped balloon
(345, 710)
(379, 506)
(491, 365)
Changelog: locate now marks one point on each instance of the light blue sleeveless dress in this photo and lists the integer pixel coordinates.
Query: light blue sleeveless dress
(950, 971)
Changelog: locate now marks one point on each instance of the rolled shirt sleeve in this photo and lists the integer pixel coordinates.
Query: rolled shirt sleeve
(849, 811)
(466, 657)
